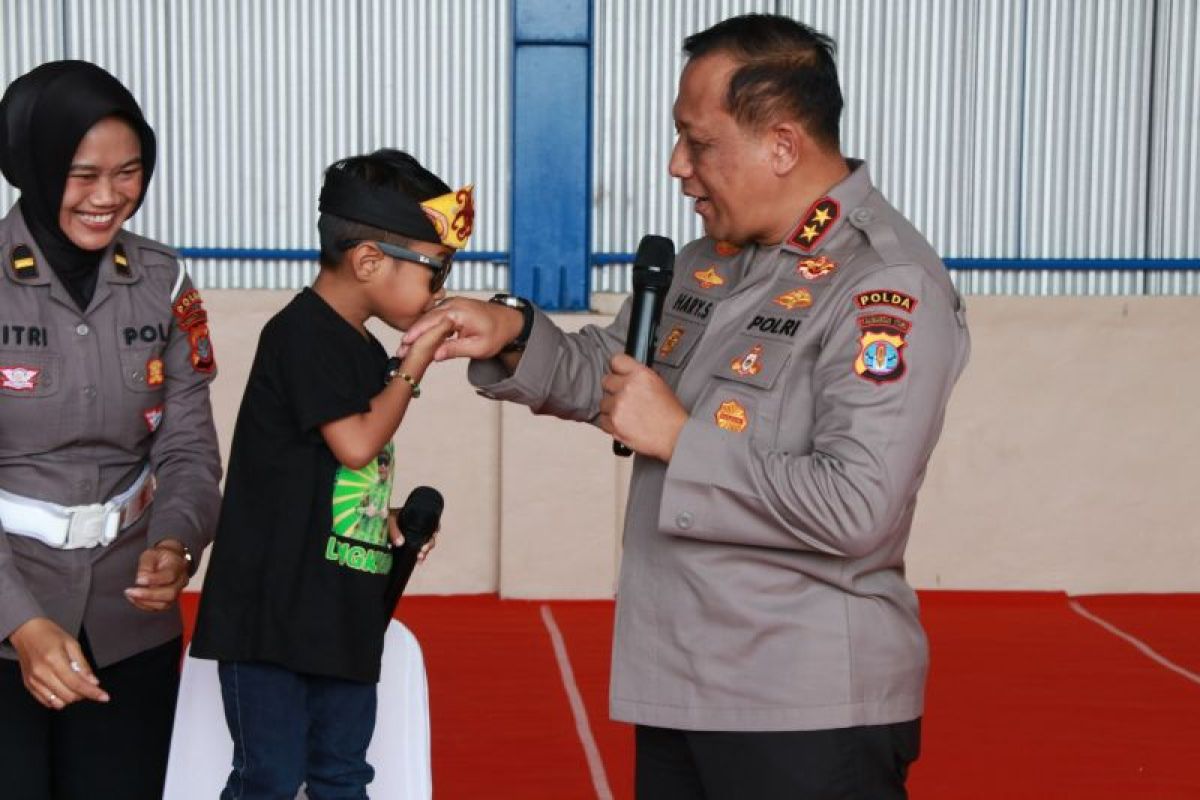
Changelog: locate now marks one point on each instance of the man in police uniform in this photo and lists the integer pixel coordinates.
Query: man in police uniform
(766, 644)
(109, 464)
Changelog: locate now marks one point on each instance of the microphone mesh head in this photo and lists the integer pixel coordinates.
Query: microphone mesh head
(654, 262)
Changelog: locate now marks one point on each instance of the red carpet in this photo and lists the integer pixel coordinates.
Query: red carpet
(1027, 698)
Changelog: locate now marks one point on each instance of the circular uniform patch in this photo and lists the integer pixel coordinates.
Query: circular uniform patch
(879, 356)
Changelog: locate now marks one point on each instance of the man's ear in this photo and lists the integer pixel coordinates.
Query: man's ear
(365, 260)
(790, 145)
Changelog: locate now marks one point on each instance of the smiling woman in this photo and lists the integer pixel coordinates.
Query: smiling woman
(108, 456)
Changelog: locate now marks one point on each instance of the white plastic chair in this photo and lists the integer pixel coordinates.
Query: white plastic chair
(202, 752)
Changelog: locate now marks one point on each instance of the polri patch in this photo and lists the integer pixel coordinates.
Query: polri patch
(817, 222)
(153, 417)
(19, 378)
(731, 416)
(23, 263)
(749, 363)
(796, 298)
(886, 297)
(708, 278)
(813, 268)
(154, 372)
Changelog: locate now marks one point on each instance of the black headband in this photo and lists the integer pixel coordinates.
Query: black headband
(352, 198)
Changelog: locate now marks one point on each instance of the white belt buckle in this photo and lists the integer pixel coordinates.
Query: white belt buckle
(92, 525)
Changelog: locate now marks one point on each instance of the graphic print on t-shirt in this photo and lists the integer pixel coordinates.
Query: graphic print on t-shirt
(360, 511)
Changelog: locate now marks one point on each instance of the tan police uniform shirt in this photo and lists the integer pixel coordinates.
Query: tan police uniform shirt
(762, 582)
(86, 399)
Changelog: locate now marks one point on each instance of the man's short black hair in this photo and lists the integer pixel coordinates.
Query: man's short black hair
(787, 68)
(388, 168)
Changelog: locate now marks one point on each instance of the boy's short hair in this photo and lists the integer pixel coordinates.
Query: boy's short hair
(387, 169)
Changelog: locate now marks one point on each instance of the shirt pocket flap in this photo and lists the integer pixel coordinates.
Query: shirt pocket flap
(754, 362)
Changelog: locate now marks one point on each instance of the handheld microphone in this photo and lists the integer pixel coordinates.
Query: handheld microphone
(418, 521)
(652, 269)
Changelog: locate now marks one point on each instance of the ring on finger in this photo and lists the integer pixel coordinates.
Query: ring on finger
(53, 697)
(75, 666)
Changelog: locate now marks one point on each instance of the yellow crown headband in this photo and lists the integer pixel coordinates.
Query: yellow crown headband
(452, 215)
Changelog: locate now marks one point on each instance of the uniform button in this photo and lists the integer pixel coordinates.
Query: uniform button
(683, 520)
(89, 392)
(136, 375)
(82, 329)
(862, 216)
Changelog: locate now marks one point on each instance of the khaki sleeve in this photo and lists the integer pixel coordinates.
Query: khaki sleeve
(559, 373)
(879, 396)
(184, 454)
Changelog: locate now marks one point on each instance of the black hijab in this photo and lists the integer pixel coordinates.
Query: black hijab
(43, 116)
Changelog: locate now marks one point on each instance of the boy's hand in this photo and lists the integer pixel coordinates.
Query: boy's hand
(397, 535)
(419, 353)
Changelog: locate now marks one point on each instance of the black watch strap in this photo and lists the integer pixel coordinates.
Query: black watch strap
(526, 309)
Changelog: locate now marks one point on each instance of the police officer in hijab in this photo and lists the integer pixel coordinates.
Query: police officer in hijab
(108, 455)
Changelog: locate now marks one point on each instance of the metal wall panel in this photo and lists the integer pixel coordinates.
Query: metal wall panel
(637, 61)
(1175, 169)
(31, 32)
(251, 101)
(1086, 140)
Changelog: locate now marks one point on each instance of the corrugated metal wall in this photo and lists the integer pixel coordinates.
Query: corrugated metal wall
(1021, 129)
(1003, 128)
(251, 100)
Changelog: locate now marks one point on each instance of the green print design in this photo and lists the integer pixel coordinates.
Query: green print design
(360, 511)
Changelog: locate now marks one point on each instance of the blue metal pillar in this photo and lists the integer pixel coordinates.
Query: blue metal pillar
(551, 166)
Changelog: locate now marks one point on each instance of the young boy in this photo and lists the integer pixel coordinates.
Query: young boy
(295, 600)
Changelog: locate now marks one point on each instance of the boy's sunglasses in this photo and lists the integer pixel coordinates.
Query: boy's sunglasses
(441, 269)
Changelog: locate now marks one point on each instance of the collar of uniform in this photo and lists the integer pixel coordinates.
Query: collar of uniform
(824, 217)
(111, 270)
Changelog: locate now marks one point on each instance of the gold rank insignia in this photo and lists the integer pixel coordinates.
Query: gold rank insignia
(731, 416)
(879, 356)
(154, 372)
(796, 298)
(23, 262)
(749, 363)
(817, 222)
(120, 261)
(726, 249)
(708, 278)
(813, 268)
(671, 342)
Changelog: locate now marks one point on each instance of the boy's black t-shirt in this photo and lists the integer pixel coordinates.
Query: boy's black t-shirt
(299, 571)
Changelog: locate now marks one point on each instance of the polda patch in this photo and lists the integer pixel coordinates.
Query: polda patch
(886, 297)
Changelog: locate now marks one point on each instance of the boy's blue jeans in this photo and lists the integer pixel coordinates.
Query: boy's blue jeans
(290, 729)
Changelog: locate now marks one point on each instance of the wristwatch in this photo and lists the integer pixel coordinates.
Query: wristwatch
(526, 309)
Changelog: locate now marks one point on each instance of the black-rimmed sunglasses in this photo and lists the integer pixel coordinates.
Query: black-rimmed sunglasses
(441, 269)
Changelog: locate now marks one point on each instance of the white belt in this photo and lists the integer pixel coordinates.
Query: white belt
(72, 527)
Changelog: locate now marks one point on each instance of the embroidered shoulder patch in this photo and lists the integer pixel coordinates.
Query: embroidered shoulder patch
(886, 297)
(23, 262)
(193, 320)
(881, 349)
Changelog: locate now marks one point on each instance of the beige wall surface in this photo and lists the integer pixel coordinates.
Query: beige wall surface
(1068, 460)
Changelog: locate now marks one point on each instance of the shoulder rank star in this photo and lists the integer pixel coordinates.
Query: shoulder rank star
(817, 222)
